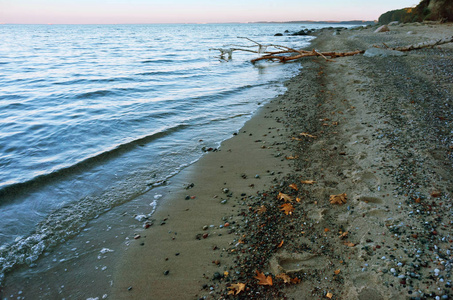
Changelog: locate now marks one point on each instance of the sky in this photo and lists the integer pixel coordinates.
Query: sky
(191, 11)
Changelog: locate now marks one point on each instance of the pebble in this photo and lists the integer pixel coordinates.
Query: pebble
(166, 272)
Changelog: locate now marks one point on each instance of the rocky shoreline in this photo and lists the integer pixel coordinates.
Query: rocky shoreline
(339, 189)
(379, 130)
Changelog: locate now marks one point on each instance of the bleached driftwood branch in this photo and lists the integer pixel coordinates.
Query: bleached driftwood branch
(429, 44)
(284, 53)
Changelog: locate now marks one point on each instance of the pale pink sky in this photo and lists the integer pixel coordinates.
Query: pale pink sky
(187, 11)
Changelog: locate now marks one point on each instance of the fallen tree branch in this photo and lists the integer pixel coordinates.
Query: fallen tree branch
(285, 54)
(430, 44)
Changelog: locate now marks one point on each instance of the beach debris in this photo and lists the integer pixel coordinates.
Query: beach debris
(261, 210)
(329, 295)
(305, 134)
(284, 277)
(307, 181)
(294, 186)
(343, 235)
(338, 199)
(292, 157)
(284, 54)
(436, 194)
(285, 197)
(263, 280)
(287, 208)
(236, 288)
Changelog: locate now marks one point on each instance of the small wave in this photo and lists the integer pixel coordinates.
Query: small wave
(90, 81)
(13, 189)
(95, 94)
(157, 61)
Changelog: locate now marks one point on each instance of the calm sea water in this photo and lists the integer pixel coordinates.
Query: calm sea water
(93, 116)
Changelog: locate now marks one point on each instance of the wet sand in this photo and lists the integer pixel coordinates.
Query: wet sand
(376, 129)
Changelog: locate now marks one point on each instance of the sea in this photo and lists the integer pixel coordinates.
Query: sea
(93, 116)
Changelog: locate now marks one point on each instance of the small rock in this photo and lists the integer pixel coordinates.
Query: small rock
(166, 272)
(383, 28)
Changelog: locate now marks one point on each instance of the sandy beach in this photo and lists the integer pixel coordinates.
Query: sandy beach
(339, 189)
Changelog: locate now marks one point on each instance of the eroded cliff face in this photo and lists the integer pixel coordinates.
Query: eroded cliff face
(426, 10)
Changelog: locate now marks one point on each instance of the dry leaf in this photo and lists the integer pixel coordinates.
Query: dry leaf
(263, 280)
(326, 229)
(436, 194)
(287, 208)
(262, 209)
(236, 288)
(338, 199)
(280, 245)
(307, 135)
(298, 199)
(337, 272)
(294, 186)
(286, 278)
(292, 157)
(285, 197)
(349, 244)
(329, 295)
(295, 280)
(343, 235)
(308, 181)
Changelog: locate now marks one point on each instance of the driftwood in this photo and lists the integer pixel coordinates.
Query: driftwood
(284, 54)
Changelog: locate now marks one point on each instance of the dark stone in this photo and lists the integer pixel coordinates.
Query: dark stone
(278, 34)
(302, 32)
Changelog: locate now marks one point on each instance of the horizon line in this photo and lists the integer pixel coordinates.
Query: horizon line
(200, 23)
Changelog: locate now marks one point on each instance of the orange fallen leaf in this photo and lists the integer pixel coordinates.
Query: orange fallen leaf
(280, 245)
(298, 199)
(292, 157)
(263, 280)
(338, 199)
(343, 235)
(295, 280)
(236, 288)
(285, 197)
(294, 186)
(287, 208)
(262, 209)
(308, 135)
(297, 139)
(337, 272)
(326, 229)
(329, 295)
(349, 244)
(308, 181)
(286, 278)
